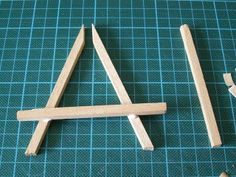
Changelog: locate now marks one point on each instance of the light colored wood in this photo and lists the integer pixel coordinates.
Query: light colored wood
(57, 93)
(224, 174)
(120, 91)
(228, 79)
(201, 88)
(230, 83)
(232, 90)
(92, 111)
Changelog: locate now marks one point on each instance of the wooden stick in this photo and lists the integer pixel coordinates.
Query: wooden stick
(232, 90)
(92, 111)
(120, 91)
(228, 79)
(200, 84)
(57, 93)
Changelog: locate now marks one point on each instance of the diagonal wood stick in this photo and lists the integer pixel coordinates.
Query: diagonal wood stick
(120, 91)
(57, 93)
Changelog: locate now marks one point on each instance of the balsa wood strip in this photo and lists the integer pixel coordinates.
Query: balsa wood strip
(57, 92)
(200, 84)
(228, 79)
(92, 111)
(120, 91)
(232, 90)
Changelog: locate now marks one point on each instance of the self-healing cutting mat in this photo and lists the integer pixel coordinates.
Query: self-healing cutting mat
(144, 43)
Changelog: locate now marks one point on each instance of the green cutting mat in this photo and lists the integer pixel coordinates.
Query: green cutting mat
(144, 42)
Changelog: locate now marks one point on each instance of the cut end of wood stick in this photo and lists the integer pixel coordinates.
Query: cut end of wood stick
(184, 26)
(228, 79)
(93, 29)
(27, 153)
(215, 138)
(37, 138)
(232, 90)
(151, 148)
(224, 174)
(95, 37)
(217, 145)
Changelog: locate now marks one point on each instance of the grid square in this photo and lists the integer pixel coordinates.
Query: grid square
(113, 169)
(7, 169)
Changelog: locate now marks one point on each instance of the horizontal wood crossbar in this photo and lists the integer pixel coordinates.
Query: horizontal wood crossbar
(92, 111)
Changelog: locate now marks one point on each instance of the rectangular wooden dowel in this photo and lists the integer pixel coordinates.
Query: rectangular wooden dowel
(92, 111)
(57, 93)
(120, 91)
(201, 88)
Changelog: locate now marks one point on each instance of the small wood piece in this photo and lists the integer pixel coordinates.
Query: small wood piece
(92, 111)
(200, 84)
(232, 90)
(228, 79)
(120, 91)
(224, 174)
(230, 83)
(57, 93)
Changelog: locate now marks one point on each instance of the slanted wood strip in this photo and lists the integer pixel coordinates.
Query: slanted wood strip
(92, 111)
(57, 93)
(120, 91)
(200, 84)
